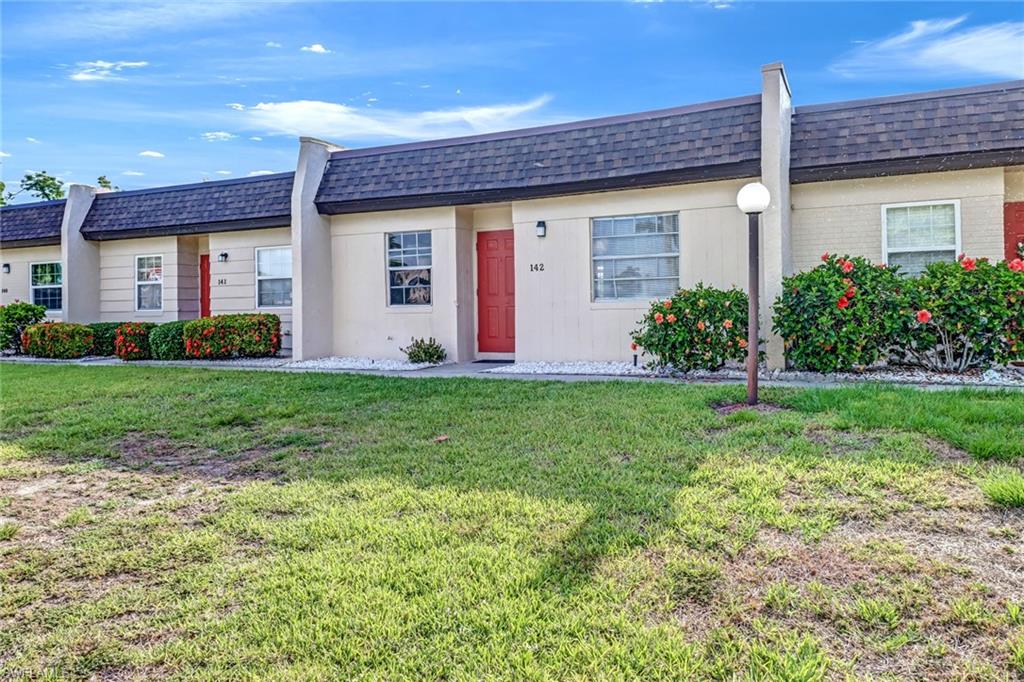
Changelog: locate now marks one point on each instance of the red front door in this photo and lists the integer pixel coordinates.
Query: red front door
(204, 285)
(1013, 226)
(496, 291)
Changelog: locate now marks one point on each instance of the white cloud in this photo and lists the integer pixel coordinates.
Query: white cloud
(271, 43)
(256, 138)
(151, 154)
(32, 140)
(218, 136)
(4, 155)
(236, 106)
(340, 121)
(101, 70)
(940, 48)
(223, 172)
(133, 173)
(315, 47)
(255, 173)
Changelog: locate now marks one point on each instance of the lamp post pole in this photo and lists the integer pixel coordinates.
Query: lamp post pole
(753, 304)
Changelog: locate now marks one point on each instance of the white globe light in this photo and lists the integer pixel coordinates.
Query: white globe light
(753, 198)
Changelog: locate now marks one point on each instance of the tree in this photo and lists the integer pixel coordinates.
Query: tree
(104, 182)
(42, 185)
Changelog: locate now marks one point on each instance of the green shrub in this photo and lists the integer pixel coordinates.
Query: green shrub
(964, 314)
(167, 341)
(14, 318)
(1005, 487)
(103, 335)
(697, 328)
(226, 336)
(57, 340)
(425, 351)
(843, 314)
(132, 341)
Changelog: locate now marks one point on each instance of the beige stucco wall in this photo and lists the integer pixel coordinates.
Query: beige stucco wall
(364, 323)
(555, 316)
(233, 284)
(15, 286)
(1013, 179)
(845, 216)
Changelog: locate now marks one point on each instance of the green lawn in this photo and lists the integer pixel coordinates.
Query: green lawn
(211, 524)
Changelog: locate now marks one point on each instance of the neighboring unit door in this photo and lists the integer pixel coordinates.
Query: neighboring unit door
(496, 292)
(204, 285)
(1013, 226)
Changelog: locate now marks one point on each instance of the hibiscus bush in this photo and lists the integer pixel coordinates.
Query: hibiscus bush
(167, 342)
(131, 340)
(699, 328)
(57, 340)
(227, 336)
(15, 317)
(103, 335)
(964, 314)
(842, 315)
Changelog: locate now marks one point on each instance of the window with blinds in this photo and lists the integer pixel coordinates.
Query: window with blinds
(635, 256)
(921, 233)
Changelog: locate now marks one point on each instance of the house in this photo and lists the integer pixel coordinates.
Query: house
(538, 244)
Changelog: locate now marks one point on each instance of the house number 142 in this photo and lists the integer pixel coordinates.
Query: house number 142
(536, 267)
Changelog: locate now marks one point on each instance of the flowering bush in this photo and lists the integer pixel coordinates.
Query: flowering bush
(103, 335)
(167, 341)
(227, 336)
(14, 318)
(131, 340)
(964, 314)
(425, 350)
(843, 314)
(697, 328)
(57, 340)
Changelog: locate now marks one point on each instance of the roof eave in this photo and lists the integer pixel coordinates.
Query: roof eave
(907, 166)
(30, 241)
(188, 230)
(743, 169)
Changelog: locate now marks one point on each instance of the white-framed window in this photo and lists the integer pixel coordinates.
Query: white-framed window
(918, 233)
(149, 283)
(45, 281)
(274, 277)
(409, 265)
(634, 256)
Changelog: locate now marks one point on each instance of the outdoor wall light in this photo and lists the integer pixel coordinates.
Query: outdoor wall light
(222, 257)
(542, 228)
(7, 268)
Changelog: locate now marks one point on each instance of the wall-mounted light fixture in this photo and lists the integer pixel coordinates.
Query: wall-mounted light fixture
(542, 228)
(7, 268)
(222, 257)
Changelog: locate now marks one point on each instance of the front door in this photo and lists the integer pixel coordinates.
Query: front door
(204, 285)
(1013, 225)
(496, 291)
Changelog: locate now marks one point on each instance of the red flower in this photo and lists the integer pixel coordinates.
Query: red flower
(671, 318)
(742, 343)
(668, 303)
(659, 318)
(1017, 265)
(701, 325)
(843, 303)
(961, 256)
(850, 292)
(923, 316)
(633, 346)
(727, 324)
(824, 257)
(847, 266)
(968, 264)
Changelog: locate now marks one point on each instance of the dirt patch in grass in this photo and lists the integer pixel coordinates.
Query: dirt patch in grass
(163, 455)
(840, 443)
(944, 452)
(762, 408)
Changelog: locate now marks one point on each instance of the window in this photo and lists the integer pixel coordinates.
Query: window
(409, 261)
(635, 256)
(45, 285)
(917, 234)
(274, 277)
(149, 282)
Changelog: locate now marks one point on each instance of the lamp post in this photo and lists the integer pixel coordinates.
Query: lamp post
(753, 199)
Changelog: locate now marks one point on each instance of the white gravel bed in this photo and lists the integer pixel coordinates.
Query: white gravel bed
(372, 364)
(997, 376)
(623, 369)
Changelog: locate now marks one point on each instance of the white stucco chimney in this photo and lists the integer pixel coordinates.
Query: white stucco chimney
(80, 259)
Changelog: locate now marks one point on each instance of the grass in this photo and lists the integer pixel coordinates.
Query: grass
(200, 524)
(1005, 487)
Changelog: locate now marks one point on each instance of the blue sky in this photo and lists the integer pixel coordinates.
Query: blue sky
(170, 92)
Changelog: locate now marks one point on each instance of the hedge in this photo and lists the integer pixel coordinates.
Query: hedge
(228, 336)
(57, 340)
(132, 340)
(14, 319)
(103, 334)
(167, 341)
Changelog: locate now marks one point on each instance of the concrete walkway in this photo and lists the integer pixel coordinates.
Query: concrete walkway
(476, 370)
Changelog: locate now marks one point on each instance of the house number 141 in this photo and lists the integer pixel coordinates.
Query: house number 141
(536, 267)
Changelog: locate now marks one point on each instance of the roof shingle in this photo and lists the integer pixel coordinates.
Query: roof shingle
(717, 140)
(35, 224)
(247, 203)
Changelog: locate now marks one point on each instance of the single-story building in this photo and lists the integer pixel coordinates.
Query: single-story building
(539, 244)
